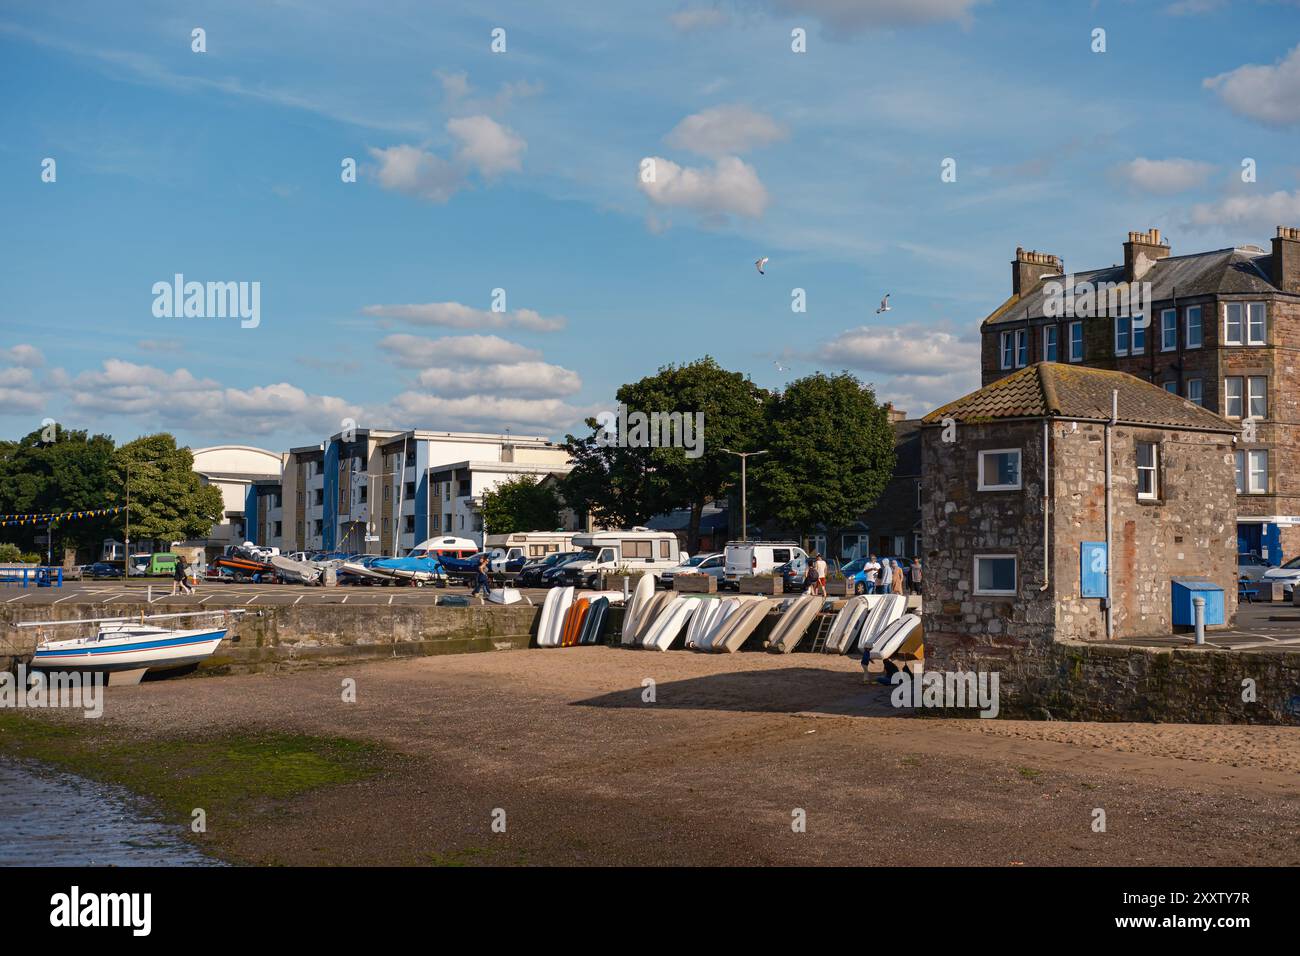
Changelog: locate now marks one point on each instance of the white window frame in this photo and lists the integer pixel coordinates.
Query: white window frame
(1015, 565)
(1249, 405)
(1006, 351)
(1123, 324)
(1154, 493)
(1245, 471)
(1188, 342)
(1227, 397)
(1070, 353)
(1022, 348)
(979, 468)
(1168, 328)
(1240, 323)
(1054, 333)
(1253, 308)
(1134, 330)
(1199, 397)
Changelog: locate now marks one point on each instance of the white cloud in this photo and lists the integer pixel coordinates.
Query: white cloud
(160, 345)
(486, 412)
(454, 315)
(18, 389)
(414, 351)
(731, 186)
(455, 85)
(520, 378)
(726, 130)
(1164, 176)
(415, 172)
(1270, 94)
(918, 395)
(893, 351)
(1257, 212)
(487, 145)
(28, 356)
(852, 16)
(699, 18)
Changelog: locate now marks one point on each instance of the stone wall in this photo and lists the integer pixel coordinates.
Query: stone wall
(283, 635)
(1076, 680)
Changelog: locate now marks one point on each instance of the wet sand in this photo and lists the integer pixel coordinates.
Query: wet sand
(718, 767)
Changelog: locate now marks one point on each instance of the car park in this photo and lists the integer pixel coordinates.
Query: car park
(530, 575)
(710, 564)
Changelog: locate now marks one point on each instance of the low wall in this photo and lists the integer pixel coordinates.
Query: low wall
(268, 637)
(1110, 682)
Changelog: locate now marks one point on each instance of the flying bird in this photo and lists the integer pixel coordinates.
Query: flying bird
(759, 263)
(780, 367)
(884, 304)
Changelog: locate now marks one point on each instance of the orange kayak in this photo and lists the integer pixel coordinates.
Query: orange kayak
(573, 621)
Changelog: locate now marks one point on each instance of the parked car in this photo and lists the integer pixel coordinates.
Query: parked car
(794, 574)
(1251, 567)
(1286, 575)
(710, 564)
(101, 570)
(745, 558)
(566, 572)
(530, 575)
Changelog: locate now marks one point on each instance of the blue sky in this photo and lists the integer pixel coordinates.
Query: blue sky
(520, 171)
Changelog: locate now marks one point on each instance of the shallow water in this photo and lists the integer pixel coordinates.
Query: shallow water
(49, 818)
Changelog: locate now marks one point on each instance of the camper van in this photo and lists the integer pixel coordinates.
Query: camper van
(612, 551)
(745, 558)
(521, 547)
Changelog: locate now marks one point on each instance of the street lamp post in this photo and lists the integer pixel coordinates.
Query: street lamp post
(744, 457)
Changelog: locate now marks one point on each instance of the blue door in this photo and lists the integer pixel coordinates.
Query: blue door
(1250, 539)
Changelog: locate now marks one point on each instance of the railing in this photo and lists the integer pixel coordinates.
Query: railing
(31, 575)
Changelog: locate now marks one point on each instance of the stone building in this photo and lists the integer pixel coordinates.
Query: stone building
(1015, 511)
(1217, 328)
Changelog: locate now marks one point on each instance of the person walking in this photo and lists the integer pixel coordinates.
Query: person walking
(820, 565)
(481, 582)
(180, 576)
(916, 575)
(886, 578)
(897, 585)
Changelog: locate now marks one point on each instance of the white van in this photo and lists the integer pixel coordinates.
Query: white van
(612, 551)
(520, 546)
(745, 558)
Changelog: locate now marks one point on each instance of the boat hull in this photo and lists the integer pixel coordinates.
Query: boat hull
(130, 653)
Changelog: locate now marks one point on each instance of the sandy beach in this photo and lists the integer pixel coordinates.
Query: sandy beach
(715, 770)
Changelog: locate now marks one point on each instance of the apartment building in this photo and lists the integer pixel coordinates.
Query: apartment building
(1219, 329)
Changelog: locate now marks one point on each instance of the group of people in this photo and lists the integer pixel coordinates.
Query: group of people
(887, 576)
(883, 576)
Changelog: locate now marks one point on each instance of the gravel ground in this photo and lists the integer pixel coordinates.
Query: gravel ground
(717, 768)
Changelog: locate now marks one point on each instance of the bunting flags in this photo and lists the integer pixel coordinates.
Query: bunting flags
(62, 516)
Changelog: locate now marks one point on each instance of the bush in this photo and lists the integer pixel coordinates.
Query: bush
(9, 553)
(30, 557)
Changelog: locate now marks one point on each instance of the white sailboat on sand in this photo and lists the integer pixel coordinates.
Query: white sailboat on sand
(129, 646)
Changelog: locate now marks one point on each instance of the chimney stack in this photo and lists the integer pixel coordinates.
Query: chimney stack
(1141, 252)
(1286, 259)
(1028, 267)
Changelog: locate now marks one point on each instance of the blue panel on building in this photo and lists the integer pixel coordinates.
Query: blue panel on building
(330, 513)
(250, 514)
(1184, 590)
(1092, 569)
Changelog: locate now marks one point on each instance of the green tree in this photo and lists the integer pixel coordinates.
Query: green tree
(831, 453)
(169, 501)
(689, 468)
(521, 504)
(70, 473)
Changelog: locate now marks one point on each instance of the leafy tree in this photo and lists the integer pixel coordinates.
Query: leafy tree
(626, 485)
(169, 502)
(521, 504)
(10, 553)
(70, 473)
(832, 451)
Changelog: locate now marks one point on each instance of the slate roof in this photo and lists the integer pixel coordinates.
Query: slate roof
(1220, 272)
(1056, 390)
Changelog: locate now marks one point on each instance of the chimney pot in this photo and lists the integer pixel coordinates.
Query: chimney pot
(1285, 261)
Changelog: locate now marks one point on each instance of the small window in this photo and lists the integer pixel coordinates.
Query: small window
(1255, 323)
(410, 489)
(995, 574)
(1193, 335)
(1015, 349)
(1006, 347)
(1139, 335)
(1022, 348)
(1123, 326)
(1232, 404)
(1233, 322)
(1168, 330)
(1049, 343)
(1148, 461)
(665, 549)
(999, 470)
(1076, 341)
(1171, 388)
(636, 549)
(1251, 469)
(1196, 391)
(1257, 396)
(781, 555)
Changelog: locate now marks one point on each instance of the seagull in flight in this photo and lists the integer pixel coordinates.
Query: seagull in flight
(759, 263)
(884, 304)
(780, 367)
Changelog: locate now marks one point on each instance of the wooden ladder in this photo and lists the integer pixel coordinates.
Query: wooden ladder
(824, 623)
